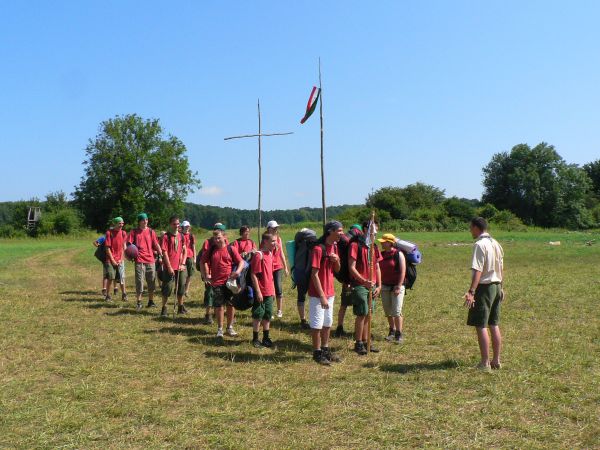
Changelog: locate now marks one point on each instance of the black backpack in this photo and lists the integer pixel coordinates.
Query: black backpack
(245, 299)
(304, 242)
(100, 253)
(354, 235)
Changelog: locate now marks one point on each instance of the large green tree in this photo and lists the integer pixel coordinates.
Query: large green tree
(132, 166)
(401, 202)
(538, 186)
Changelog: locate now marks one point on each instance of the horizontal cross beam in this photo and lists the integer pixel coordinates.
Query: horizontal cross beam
(257, 135)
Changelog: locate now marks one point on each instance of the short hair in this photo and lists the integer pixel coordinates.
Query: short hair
(365, 225)
(243, 229)
(173, 217)
(480, 223)
(266, 236)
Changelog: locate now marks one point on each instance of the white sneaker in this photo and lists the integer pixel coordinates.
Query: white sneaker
(390, 337)
(220, 333)
(279, 313)
(231, 332)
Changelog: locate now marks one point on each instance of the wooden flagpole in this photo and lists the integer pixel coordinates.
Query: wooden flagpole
(371, 272)
(322, 165)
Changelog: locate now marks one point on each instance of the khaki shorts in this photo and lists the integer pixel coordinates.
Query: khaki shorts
(145, 271)
(392, 304)
(116, 273)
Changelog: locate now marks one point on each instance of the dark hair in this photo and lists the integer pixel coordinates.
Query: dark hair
(172, 218)
(480, 223)
(365, 225)
(243, 229)
(266, 236)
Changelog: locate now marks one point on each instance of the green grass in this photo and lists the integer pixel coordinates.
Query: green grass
(77, 373)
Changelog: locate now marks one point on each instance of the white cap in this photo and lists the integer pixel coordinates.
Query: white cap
(272, 224)
(185, 223)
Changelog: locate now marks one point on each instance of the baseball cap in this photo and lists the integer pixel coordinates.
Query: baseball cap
(185, 223)
(117, 219)
(272, 224)
(219, 226)
(387, 237)
(142, 216)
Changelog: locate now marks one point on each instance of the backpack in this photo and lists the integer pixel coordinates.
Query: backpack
(245, 299)
(199, 255)
(354, 235)
(305, 240)
(100, 253)
(410, 275)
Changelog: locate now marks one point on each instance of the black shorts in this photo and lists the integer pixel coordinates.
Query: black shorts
(221, 296)
(278, 281)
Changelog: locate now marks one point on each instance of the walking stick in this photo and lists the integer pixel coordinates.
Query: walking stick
(371, 270)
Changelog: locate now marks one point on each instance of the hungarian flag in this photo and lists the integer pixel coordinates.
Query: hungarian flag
(312, 103)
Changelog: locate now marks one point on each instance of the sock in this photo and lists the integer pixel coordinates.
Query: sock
(255, 335)
(317, 353)
(325, 349)
(398, 333)
(265, 334)
(340, 327)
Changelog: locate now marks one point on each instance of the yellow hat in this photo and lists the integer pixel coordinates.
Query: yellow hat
(387, 237)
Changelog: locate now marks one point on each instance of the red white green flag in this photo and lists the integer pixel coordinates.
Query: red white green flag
(312, 103)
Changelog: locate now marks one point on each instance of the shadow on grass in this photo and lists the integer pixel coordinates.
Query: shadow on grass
(293, 345)
(180, 330)
(103, 305)
(417, 367)
(83, 300)
(264, 355)
(293, 327)
(130, 312)
(98, 293)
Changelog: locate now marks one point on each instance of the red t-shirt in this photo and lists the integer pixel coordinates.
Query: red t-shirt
(362, 261)
(220, 263)
(389, 268)
(323, 263)
(190, 242)
(172, 247)
(262, 267)
(278, 255)
(145, 241)
(244, 245)
(205, 247)
(115, 240)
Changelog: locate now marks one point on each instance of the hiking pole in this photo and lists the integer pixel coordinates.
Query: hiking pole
(371, 270)
(176, 273)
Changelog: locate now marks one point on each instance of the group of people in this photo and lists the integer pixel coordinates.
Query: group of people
(171, 259)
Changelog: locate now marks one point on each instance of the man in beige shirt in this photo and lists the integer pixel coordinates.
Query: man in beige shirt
(485, 293)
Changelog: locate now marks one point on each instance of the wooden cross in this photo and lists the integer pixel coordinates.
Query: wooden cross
(259, 136)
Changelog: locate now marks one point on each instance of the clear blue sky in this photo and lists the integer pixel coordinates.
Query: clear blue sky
(413, 91)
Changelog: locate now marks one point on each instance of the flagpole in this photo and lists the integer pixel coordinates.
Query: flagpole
(371, 271)
(259, 174)
(322, 168)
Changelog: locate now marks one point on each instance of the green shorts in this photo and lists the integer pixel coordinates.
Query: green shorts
(208, 295)
(221, 296)
(346, 297)
(116, 273)
(264, 310)
(189, 265)
(360, 301)
(486, 310)
(168, 283)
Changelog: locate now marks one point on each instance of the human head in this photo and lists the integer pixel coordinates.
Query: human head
(387, 240)
(185, 226)
(333, 230)
(268, 241)
(478, 226)
(273, 226)
(245, 231)
(142, 219)
(118, 223)
(173, 224)
(219, 238)
(365, 226)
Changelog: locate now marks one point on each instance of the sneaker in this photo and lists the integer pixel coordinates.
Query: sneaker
(220, 333)
(181, 309)
(164, 312)
(231, 332)
(256, 343)
(279, 313)
(151, 304)
(108, 298)
(208, 320)
(138, 306)
(398, 338)
(359, 348)
(267, 342)
(390, 337)
(374, 349)
(496, 366)
(320, 358)
(103, 292)
(115, 291)
(304, 324)
(124, 297)
(484, 367)
(339, 332)
(330, 355)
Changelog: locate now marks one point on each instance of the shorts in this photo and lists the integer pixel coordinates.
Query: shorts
(168, 283)
(360, 301)
(222, 296)
(147, 271)
(264, 310)
(278, 281)
(189, 265)
(346, 297)
(116, 273)
(318, 317)
(392, 304)
(486, 310)
(208, 295)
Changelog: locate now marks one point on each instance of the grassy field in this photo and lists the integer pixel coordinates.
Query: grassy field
(79, 373)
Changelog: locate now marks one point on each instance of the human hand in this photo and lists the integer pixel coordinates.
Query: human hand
(397, 290)
(259, 298)
(324, 303)
(170, 270)
(377, 291)
(469, 300)
(334, 258)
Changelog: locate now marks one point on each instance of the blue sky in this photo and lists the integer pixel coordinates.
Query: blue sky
(413, 91)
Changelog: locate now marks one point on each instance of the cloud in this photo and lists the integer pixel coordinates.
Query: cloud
(211, 191)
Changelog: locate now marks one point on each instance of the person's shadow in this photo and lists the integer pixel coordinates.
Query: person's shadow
(447, 364)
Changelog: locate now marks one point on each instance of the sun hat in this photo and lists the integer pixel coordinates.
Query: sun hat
(387, 237)
(272, 224)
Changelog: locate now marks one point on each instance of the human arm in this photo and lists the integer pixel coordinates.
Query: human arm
(314, 278)
(257, 292)
(470, 295)
(401, 273)
(378, 277)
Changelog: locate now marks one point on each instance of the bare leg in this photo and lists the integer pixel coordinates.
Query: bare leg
(341, 315)
(180, 299)
(280, 303)
(220, 313)
(496, 344)
(400, 323)
(365, 333)
(484, 345)
(391, 322)
(230, 314)
(325, 336)
(256, 325)
(358, 327)
(301, 312)
(316, 339)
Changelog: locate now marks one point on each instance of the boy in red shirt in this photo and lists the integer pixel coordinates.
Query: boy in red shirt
(114, 267)
(358, 266)
(174, 253)
(324, 262)
(219, 259)
(208, 290)
(244, 245)
(144, 238)
(264, 290)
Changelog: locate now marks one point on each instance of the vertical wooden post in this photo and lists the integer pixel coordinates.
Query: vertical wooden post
(371, 272)
(322, 168)
(259, 175)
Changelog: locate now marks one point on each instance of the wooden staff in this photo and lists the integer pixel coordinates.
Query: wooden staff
(371, 272)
